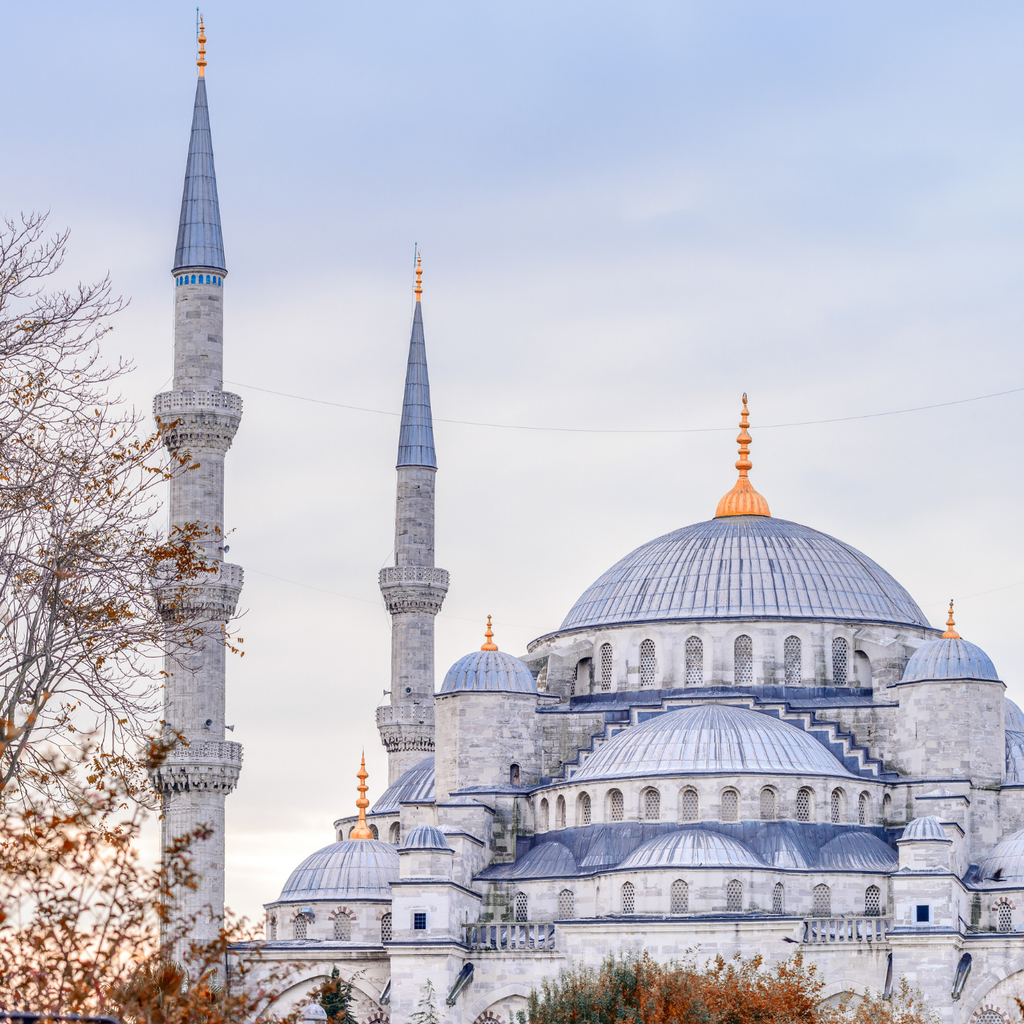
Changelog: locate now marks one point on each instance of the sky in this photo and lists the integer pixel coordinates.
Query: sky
(629, 215)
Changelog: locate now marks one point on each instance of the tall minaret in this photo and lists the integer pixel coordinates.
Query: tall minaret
(200, 419)
(413, 589)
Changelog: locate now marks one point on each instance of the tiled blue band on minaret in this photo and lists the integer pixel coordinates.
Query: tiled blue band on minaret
(200, 241)
(416, 437)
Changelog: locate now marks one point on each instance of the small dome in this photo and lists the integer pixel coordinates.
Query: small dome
(426, 837)
(712, 738)
(780, 848)
(923, 830)
(693, 848)
(352, 869)
(1014, 756)
(949, 659)
(857, 851)
(416, 784)
(1014, 716)
(491, 671)
(547, 860)
(1006, 861)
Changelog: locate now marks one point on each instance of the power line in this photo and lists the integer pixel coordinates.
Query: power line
(668, 430)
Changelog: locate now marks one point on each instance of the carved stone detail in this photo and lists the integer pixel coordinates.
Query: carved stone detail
(413, 588)
(202, 419)
(213, 595)
(398, 732)
(212, 765)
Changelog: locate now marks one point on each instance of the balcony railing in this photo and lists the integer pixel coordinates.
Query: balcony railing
(847, 929)
(522, 935)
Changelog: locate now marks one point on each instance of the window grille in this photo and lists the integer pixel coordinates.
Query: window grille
(989, 1017)
(734, 895)
(779, 899)
(803, 805)
(522, 907)
(572, 682)
(300, 926)
(821, 902)
(385, 928)
(886, 807)
(652, 805)
(840, 660)
(1005, 919)
(872, 901)
(373, 831)
(584, 815)
(606, 667)
(792, 660)
(694, 661)
(730, 805)
(690, 805)
(545, 816)
(396, 832)
(863, 809)
(647, 663)
(566, 904)
(560, 812)
(767, 804)
(628, 898)
(743, 661)
(272, 928)
(680, 897)
(837, 806)
(342, 928)
(615, 805)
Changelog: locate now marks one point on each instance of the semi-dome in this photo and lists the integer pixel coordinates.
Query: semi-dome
(547, 860)
(744, 567)
(710, 738)
(493, 671)
(426, 837)
(1014, 716)
(857, 851)
(1006, 861)
(783, 848)
(416, 785)
(924, 830)
(693, 848)
(949, 659)
(355, 869)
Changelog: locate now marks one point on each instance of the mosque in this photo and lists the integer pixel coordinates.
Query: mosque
(745, 736)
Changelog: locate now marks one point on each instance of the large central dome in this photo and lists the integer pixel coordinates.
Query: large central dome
(744, 567)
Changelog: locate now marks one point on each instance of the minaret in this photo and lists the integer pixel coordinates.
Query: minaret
(200, 419)
(413, 589)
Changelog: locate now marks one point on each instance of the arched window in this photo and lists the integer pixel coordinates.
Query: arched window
(606, 667)
(743, 660)
(615, 805)
(680, 896)
(990, 1017)
(793, 660)
(805, 805)
(1005, 918)
(545, 815)
(821, 901)
(628, 898)
(689, 805)
(300, 926)
(385, 928)
(887, 808)
(522, 907)
(373, 832)
(837, 805)
(513, 774)
(840, 661)
(395, 833)
(734, 895)
(863, 808)
(872, 901)
(779, 899)
(572, 682)
(647, 663)
(560, 812)
(767, 804)
(730, 805)
(342, 927)
(272, 927)
(566, 904)
(694, 661)
(650, 804)
(583, 809)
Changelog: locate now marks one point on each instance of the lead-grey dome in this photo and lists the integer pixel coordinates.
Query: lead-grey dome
(744, 567)
(416, 785)
(926, 829)
(710, 739)
(1006, 861)
(953, 658)
(426, 837)
(692, 848)
(489, 671)
(350, 870)
(858, 851)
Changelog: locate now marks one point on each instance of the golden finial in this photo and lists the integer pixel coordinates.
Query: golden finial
(951, 633)
(743, 500)
(419, 275)
(361, 831)
(489, 644)
(201, 63)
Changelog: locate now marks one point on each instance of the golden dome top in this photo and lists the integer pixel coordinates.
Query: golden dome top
(489, 644)
(201, 62)
(419, 276)
(951, 633)
(362, 831)
(743, 500)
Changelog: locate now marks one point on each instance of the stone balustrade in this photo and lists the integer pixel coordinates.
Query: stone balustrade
(846, 929)
(524, 936)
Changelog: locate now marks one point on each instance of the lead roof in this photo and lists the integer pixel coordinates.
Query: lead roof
(416, 435)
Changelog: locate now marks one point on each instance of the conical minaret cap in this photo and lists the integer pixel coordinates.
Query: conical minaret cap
(743, 500)
(416, 435)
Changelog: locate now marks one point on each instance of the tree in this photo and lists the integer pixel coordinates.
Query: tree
(335, 997)
(88, 586)
(427, 1012)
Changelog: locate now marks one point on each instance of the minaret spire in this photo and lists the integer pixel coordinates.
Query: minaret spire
(413, 587)
(199, 420)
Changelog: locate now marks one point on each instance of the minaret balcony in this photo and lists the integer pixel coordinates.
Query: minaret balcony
(413, 588)
(198, 419)
(212, 765)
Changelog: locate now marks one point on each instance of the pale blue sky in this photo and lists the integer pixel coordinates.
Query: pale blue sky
(630, 213)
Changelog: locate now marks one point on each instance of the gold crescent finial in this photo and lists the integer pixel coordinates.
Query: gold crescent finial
(489, 644)
(951, 633)
(201, 63)
(362, 831)
(419, 275)
(743, 500)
